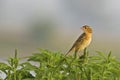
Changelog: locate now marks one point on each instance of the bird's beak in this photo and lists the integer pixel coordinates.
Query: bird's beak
(82, 28)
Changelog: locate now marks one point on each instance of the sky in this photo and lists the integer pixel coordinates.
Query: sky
(71, 12)
(18, 19)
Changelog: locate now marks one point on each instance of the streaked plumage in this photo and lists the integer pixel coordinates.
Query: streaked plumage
(83, 41)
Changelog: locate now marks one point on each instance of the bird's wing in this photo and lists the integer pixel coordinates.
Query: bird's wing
(79, 40)
(76, 42)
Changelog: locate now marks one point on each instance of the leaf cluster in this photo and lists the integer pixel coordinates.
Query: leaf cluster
(47, 65)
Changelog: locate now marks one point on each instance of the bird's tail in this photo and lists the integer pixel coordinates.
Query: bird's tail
(69, 51)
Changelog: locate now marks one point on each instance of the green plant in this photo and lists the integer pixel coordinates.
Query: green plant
(13, 70)
(55, 66)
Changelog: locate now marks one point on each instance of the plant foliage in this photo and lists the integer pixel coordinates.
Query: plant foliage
(47, 65)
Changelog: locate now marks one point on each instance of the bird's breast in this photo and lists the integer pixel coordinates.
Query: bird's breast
(84, 43)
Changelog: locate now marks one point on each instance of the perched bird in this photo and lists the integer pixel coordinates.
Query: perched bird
(83, 41)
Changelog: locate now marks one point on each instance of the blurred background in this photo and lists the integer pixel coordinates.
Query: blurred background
(55, 25)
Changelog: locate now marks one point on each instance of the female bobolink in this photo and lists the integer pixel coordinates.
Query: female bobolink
(83, 41)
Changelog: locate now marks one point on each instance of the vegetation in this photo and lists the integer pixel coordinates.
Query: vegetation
(47, 65)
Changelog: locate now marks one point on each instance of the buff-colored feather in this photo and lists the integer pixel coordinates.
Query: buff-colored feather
(83, 41)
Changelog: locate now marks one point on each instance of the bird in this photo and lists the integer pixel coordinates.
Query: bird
(83, 41)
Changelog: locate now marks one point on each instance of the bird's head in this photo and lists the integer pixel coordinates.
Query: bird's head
(86, 29)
